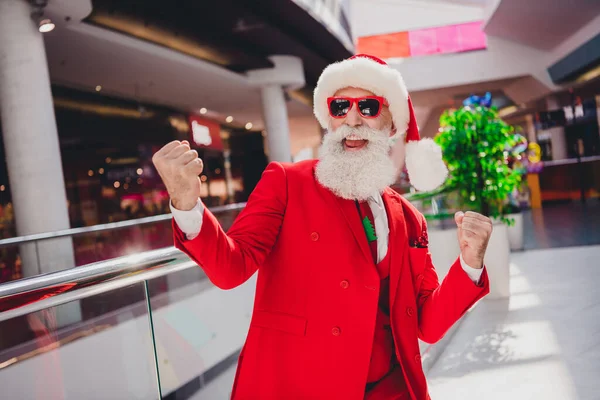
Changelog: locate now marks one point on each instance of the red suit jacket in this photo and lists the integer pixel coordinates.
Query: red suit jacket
(317, 288)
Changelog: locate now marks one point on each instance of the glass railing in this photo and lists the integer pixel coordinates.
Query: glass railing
(34, 254)
(143, 326)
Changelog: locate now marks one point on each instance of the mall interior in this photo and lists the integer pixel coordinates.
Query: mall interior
(96, 303)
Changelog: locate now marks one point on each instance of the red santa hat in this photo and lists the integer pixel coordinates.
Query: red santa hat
(423, 157)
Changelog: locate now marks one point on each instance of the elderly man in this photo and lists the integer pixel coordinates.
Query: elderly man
(345, 284)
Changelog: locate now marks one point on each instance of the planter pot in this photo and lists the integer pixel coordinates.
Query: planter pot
(515, 232)
(444, 249)
(497, 262)
(443, 245)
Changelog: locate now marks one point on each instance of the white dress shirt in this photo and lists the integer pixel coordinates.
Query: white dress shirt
(190, 223)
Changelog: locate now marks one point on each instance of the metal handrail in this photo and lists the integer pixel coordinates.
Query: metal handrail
(105, 227)
(40, 292)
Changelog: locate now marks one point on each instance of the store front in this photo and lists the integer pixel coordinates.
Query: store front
(569, 139)
(107, 146)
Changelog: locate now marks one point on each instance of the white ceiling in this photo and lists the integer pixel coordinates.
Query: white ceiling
(375, 17)
(84, 56)
(543, 24)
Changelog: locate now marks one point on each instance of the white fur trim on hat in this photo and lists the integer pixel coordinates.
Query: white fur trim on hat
(367, 74)
(426, 169)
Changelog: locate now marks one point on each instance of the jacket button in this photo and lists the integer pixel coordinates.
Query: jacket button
(335, 331)
(344, 284)
(418, 358)
(314, 236)
(409, 311)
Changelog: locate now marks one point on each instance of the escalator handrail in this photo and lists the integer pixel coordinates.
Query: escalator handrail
(39, 292)
(105, 227)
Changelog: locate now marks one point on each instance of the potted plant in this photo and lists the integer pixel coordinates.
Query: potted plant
(515, 229)
(474, 141)
(518, 162)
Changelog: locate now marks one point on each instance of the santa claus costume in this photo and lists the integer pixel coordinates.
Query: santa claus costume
(345, 284)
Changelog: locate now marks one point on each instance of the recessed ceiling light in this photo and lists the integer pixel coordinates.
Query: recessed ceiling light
(249, 125)
(46, 25)
(98, 88)
(203, 110)
(229, 119)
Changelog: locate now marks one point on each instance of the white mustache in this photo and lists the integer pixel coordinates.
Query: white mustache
(354, 136)
(354, 133)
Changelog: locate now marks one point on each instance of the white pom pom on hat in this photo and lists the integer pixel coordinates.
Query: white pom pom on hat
(426, 169)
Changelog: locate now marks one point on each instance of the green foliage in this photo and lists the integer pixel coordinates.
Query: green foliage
(473, 141)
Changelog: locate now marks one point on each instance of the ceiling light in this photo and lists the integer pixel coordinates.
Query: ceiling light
(98, 88)
(203, 110)
(249, 125)
(2, 188)
(117, 184)
(46, 25)
(229, 119)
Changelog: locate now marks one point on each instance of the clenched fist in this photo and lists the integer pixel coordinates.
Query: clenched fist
(179, 167)
(474, 231)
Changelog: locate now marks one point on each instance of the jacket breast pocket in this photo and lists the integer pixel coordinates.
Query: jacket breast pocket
(418, 259)
(280, 322)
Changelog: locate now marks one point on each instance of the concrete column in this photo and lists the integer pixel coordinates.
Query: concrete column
(287, 74)
(228, 176)
(30, 137)
(31, 146)
(531, 133)
(276, 123)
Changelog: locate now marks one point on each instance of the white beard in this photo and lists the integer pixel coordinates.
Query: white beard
(356, 174)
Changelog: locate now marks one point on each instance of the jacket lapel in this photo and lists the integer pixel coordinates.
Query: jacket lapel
(348, 208)
(350, 213)
(398, 240)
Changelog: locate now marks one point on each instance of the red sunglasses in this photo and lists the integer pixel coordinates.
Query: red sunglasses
(368, 106)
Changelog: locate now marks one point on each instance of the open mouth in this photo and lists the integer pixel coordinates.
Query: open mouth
(354, 143)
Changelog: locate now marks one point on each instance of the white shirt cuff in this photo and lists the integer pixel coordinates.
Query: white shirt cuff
(190, 222)
(474, 273)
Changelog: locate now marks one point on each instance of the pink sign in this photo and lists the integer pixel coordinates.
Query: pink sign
(447, 39)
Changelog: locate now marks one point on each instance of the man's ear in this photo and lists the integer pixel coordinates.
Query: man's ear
(393, 131)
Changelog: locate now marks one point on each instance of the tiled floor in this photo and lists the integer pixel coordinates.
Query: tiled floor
(543, 343)
(562, 225)
(219, 388)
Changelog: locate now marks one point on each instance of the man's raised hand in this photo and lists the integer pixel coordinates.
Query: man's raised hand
(179, 168)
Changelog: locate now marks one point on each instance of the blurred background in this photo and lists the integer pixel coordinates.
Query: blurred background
(90, 89)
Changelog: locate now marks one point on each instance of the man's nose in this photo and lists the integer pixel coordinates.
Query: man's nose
(353, 117)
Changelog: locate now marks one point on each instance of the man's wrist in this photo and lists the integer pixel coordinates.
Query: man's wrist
(184, 205)
(472, 263)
